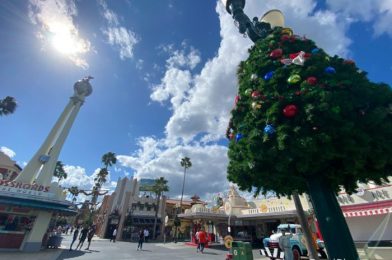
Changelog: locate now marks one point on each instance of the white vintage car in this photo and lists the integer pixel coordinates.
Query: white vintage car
(297, 242)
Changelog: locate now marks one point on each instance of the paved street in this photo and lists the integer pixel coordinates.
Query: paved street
(103, 249)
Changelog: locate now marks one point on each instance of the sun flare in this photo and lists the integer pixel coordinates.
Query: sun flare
(65, 40)
(64, 44)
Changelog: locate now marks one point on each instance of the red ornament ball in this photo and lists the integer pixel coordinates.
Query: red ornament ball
(311, 81)
(350, 62)
(285, 37)
(290, 110)
(292, 38)
(256, 94)
(237, 98)
(277, 53)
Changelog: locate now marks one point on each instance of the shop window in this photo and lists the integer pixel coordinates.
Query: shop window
(10, 222)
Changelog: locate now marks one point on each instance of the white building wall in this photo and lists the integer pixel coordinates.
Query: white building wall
(374, 228)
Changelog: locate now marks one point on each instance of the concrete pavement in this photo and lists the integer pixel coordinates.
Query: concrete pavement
(103, 249)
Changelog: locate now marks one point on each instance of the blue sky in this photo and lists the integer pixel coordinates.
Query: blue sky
(164, 77)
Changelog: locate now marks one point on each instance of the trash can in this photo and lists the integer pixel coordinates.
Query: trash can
(54, 241)
(241, 250)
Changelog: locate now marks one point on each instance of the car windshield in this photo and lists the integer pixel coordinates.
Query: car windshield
(286, 229)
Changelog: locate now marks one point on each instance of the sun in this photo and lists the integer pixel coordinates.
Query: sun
(64, 43)
(65, 40)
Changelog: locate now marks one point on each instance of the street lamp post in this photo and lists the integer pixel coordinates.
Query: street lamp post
(254, 29)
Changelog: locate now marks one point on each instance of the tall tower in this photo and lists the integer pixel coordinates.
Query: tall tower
(41, 167)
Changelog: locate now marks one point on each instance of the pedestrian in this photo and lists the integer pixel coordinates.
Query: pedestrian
(90, 236)
(202, 240)
(75, 236)
(284, 244)
(141, 240)
(197, 241)
(82, 237)
(114, 234)
(146, 234)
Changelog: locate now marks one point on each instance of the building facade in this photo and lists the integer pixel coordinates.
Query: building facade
(9, 170)
(128, 210)
(368, 215)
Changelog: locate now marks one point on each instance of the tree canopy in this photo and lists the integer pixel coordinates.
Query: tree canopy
(7, 106)
(59, 171)
(302, 114)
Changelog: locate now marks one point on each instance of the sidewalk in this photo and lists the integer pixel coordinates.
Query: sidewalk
(46, 254)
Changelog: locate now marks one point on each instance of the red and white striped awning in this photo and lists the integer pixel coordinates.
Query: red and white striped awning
(367, 212)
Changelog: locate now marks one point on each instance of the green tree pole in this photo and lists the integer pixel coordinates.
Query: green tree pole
(7, 106)
(308, 122)
(160, 186)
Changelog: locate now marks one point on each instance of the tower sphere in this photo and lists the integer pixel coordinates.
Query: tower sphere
(83, 87)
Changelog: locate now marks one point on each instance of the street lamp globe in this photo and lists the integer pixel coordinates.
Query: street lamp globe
(274, 17)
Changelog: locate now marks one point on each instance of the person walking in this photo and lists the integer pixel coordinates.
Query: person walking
(202, 240)
(75, 236)
(146, 234)
(82, 237)
(90, 236)
(197, 241)
(141, 240)
(114, 234)
(284, 244)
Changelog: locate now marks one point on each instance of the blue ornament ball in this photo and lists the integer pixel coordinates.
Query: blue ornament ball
(330, 70)
(268, 75)
(238, 137)
(315, 50)
(269, 129)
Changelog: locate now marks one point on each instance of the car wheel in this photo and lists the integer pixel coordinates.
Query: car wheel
(296, 254)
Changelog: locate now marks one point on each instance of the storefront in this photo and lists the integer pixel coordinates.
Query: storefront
(368, 214)
(25, 214)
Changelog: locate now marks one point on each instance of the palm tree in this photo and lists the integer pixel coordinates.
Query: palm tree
(101, 177)
(74, 190)
(7, 106)
(186, 163)
(108, 159)
(59, 171)
(159, 187)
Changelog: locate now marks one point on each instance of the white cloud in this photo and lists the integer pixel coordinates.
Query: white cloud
(177, 79)
(379, 13)
(119, 36)
(7, 151)
(57, 28)
(77, 176)
(208, 171)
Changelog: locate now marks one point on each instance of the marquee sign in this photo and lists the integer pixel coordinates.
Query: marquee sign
(24, 190)
(25, 186)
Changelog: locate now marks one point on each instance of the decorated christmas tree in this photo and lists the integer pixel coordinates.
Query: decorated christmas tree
(307, 122)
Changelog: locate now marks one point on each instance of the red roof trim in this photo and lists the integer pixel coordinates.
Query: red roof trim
(365, 206)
